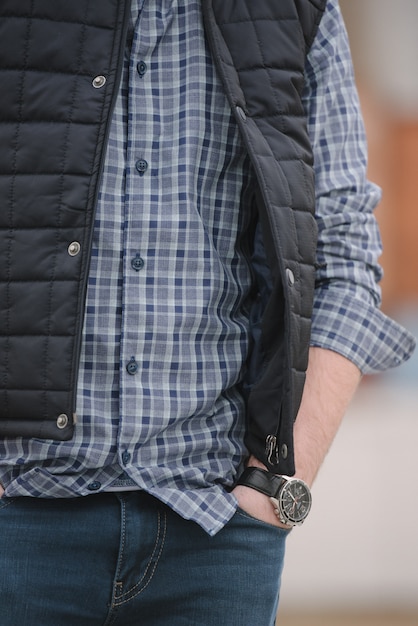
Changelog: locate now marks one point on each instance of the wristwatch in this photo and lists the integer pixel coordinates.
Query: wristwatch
(291, 497)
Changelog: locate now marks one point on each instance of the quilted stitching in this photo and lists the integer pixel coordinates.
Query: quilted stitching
(47, 202)
(53, 123)
(270, 74)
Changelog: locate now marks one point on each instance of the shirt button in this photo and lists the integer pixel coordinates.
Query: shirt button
(94, 486)
(126, 457)
(132, 367)
(142, 68)
(137, 263)
(141, 166)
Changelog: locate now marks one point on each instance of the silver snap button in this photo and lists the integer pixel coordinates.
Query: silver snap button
(62, 421)
(290, 276)
(284, 451)
(99, 82)
(74, 248)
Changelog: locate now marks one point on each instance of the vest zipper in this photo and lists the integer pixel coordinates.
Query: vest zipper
(271, 449)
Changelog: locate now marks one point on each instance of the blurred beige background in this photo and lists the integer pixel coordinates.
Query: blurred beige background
(355, 561)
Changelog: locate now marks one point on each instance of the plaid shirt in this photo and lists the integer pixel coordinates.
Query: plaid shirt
(166, 332)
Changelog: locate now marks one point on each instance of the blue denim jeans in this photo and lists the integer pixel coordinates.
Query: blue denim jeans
(128, 560)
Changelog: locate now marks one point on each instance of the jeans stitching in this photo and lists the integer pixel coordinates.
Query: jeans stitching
(117, 585)
(6, 502)
(122, 546)
(131, 592)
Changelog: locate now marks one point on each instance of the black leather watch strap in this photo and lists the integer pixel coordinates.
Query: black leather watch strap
(261, 480)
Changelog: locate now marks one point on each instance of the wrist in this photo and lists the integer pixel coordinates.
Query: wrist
(300, 473)
(257, 505)
(289, 497)
(254, 462)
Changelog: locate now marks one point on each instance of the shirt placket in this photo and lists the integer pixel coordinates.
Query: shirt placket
(137, 255)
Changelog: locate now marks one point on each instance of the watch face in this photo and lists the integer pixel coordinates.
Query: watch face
(295, 501)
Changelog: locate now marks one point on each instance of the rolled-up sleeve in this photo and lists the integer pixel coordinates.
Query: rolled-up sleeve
(346, 316)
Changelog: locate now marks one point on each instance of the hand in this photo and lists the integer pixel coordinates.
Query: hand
(257, 505)
(1, 491)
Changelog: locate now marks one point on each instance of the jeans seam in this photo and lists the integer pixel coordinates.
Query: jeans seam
(5, 502)
(131, 592)
(122, 545)
(112, 614)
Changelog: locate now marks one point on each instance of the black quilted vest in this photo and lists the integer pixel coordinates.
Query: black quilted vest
(59, 73)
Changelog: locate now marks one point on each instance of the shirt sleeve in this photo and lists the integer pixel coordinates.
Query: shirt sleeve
(346, 316)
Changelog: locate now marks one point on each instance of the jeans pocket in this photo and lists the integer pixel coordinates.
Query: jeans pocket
(261, 523)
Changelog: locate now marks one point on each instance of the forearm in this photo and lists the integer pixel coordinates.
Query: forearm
(331, 381)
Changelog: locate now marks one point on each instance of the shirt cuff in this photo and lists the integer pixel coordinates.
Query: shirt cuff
(346, 320)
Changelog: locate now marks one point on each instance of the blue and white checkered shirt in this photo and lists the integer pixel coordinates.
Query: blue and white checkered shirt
(165, 332)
